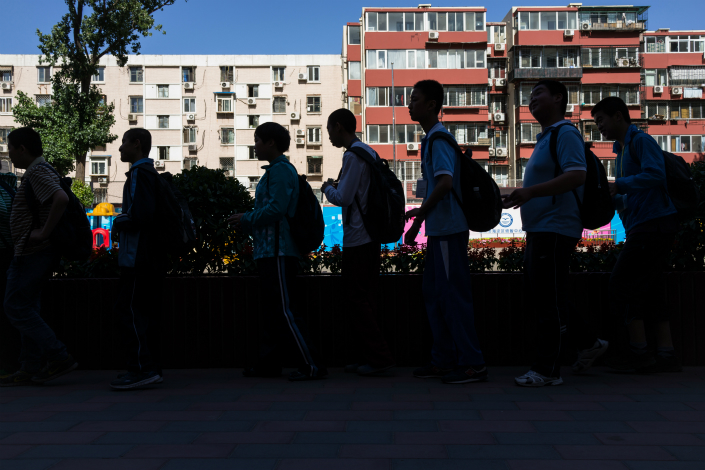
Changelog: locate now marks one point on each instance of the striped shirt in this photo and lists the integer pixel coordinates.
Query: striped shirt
(5, 208)
(44, 184)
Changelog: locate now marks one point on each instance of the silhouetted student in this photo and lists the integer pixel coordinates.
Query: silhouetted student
(277, 258)
(43, 357)
(456, 356)
(361, 254)
(650, 221)
(142, 265)
(10, 338)
(551, 219)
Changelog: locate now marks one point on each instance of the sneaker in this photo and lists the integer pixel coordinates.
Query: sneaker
(19, 378)
(55, 369)
(630, 361)
(161, 377)
(587, 356)
(463, 375)
(670, 363)
(351, 368)
(431, 372)
(534, 379)
(133, 380)
(367, 369)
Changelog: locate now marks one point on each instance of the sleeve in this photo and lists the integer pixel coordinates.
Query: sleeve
(143, 210)
(653, 167)
(281, 190)
(44, 184)
(571, 150)
(344, 195)
(443, 156)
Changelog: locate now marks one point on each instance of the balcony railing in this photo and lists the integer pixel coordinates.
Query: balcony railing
(610, 57)
(539, 73)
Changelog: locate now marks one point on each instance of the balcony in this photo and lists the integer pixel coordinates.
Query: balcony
(613, 18)
(538, 62)
(539, 73)
(610, 57)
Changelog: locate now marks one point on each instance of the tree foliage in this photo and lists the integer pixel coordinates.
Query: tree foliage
(688, 254)
(83, 193)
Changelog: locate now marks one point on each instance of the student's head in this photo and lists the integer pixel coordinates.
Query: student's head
(136, 144)
(341, 127)
(24, 145)
(271, 141)
(611, 117)
(426, 100)
(549, 99)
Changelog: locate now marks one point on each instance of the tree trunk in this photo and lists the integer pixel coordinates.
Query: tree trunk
(81, 167)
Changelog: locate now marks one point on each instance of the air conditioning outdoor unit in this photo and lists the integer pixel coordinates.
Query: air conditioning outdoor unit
(433, 36)
(6, 85)
(300, 132)
(585, 26)
(569, 108)
(192, 147)
(251, 101)
(302, 76)
(190, 117)
(622, 62)
(158, 164)
(501, 82)
(499, 47)
(188, 85)
(103, 180)
(3, 148)
(412, 146)
(299, 141)
(278, 84)
(676, 90)
(295, 116)
(489, 82)
(501, 152)
(568, 32)
(225, 84)
(499, 117)
(491, 152)
(131, 117)
(658, 89)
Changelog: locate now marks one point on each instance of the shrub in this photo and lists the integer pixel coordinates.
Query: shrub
(688, 252)
(511, 258)
(83, 192)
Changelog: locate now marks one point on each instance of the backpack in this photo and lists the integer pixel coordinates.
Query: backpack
(307, 226)
(72, 237)
(384, 220)
(480, 198)
(680, 186)
(174, 216)
(597, 206)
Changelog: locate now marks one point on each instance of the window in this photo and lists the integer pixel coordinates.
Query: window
(529, 131)
(496, 34)
(655, 109)
(416, 59)
(593, 94)
(686, 110)
(190, 162)
(465, 96)
(314, 73)
(253, 181)
(687, 143)
(662, 141)
(500, 173)
(227, 74)
(163, 153)
(189, 105)
(3, 135)
(100, 195)
(252, 91)
(5, 105)
(591, 133)
(496, 69)
(99, 76)
(225, 105)
(279, 104)
(371, 22)
(43, 100)
(136, 104)
(163, 91)
(136, 74)
(353, 35)
(43, 74)
(163, 122)
(694, 76)
(655, 77)
(5, 74)
(378, 134)
(498, 104)
(655, 44)
(188, 74)
(251, 153)
(548, 20)
(469, 133)
(529, 58)
(500, 138)
(253, 121)
(414, 133)
(314, 135)
(355, 105)
(190, 135)
(377, 96)
(227, 136)
(278, 74)
(313, 104)
(354, 72)
(99, 167)
(314, 165)
(228, 165)
(686, 43)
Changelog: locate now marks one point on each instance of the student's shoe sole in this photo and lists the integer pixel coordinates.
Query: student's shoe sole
(151, 380)
(56, 375)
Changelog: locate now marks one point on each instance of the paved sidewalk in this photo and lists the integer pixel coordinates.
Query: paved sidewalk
(215, 419)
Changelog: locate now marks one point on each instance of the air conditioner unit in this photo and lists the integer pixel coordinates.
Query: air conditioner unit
(622, 62)
(500, 152)
(412, 146)
(6, 85)
(433, 36)
(190, 117)
(499, 47)
(676, 90)
(501, 82)
(295, 116)
(499, 117)
(489, 82)
(278, 84)
(3, 148)
(302, 76)
(251, 101)
(568, 32)
(658, 89)
(103, 180)
(188, 85)
(131, 117)
(569, 108)
(192, 147)
(585, 26)
(299, 141)
(300, 132)
(225, 84)
(158, 164)
(491, 152)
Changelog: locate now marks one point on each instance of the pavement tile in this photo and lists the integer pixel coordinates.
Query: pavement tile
(486, 426)
(582, 426)
(549, 438)
(421, 438)
(15, 407)
(178, 416)
(39, 426)
(616, 415)
(220, 464)
(474, 405)
(595, 397)
(207, 426)
(334, 464)
(448, 464)
(12, 451)
(437, 414)
(25, 416)
(669, 397)
(426, 425)
(559, 406)
(109, 464)
(391, 405)
(511, 397)
(649, 439)
(565, 465)
(524, 415)
(147, 438)
(392, 451)
(692, 452)
(35, 438)
(683, 415)
(272, 397)
(148, 406)
(71, 407)
(577, 452)
(664, 465)
(117, 426)
(122, 398)
(267, 415)
(349, 437)
(301, 426)
(228, 406)
(498, 451)
(286, 451)
(684, 427)
(187, 451)
(428, 397)
(346, 415)
(308, 406)
(351, 397)
(93, 415)
(39, 464)
(646, 406)
(245, 438)
(82, 451)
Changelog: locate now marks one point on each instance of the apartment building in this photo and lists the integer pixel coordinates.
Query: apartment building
(201, 110)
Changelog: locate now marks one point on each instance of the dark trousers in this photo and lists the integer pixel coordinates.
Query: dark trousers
(546, 269)
(139, 309)
(361, 266)
(637, 280)
(281, 334)
(10, 338)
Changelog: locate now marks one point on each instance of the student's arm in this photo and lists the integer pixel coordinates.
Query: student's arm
(59, 201)
(344, 194)
(653, 167)
(281, 190)
(143, 210)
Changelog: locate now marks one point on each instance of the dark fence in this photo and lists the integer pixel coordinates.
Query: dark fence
(214, 321)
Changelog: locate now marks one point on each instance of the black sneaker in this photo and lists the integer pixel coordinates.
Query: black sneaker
(629, 361)
(55, 369)
(670, 363)
(133, 380)
(161, 377)
(17, 379)
(431, 372)
(463, 375)
(259, 372)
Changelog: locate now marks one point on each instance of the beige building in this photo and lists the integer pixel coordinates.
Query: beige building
(201, 110)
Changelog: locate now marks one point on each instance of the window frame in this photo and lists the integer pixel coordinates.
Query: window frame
(46, 71)
(278, 99)
(43, 97)
(227, 73)
(99, 161)
(227, 131)
(315, 71)
(359, 35)
(100, 77)
(220, 102)
(312, 132)
(140, 103)
(311, 104)
(190, 101)
(7, 105)
(160, 119)
(253, 90)
(355, 65)
(139, 74)
(192, 133)
(188, 74)
(160, 92)
(165, 150)
(253, 121)
(315, 160)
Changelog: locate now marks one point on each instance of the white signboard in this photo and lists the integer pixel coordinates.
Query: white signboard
(509, 226)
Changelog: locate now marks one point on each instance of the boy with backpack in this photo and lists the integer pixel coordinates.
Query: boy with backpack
(361, 253)
(650, 220)
(277, 255)
(551, 217)
(43, 357)
(10, 339)
(456, 356)
(142, 265)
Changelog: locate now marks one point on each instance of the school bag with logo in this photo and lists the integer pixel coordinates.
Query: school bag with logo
(597, 207)
(72, 237)
(479, 196)
(680, 185)
(384, 220)
(174, 215)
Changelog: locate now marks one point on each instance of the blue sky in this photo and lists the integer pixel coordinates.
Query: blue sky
(275, 26)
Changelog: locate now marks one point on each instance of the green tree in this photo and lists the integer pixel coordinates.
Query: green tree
(83, 192)
(89, 31)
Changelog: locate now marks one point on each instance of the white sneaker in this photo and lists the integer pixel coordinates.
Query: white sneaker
(587, 356)
(534, 379)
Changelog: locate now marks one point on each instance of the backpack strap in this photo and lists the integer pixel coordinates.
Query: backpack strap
(553, 145)
(458, 151)
(8, 189)
(367, 158)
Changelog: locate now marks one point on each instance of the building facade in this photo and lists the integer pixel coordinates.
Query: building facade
(200, 110)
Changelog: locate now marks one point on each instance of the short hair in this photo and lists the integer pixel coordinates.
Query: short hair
(611, 106)
(143, 135)
(28, 137)
(555, 88)
(346, 119)
(431, 90)
(271, 131)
